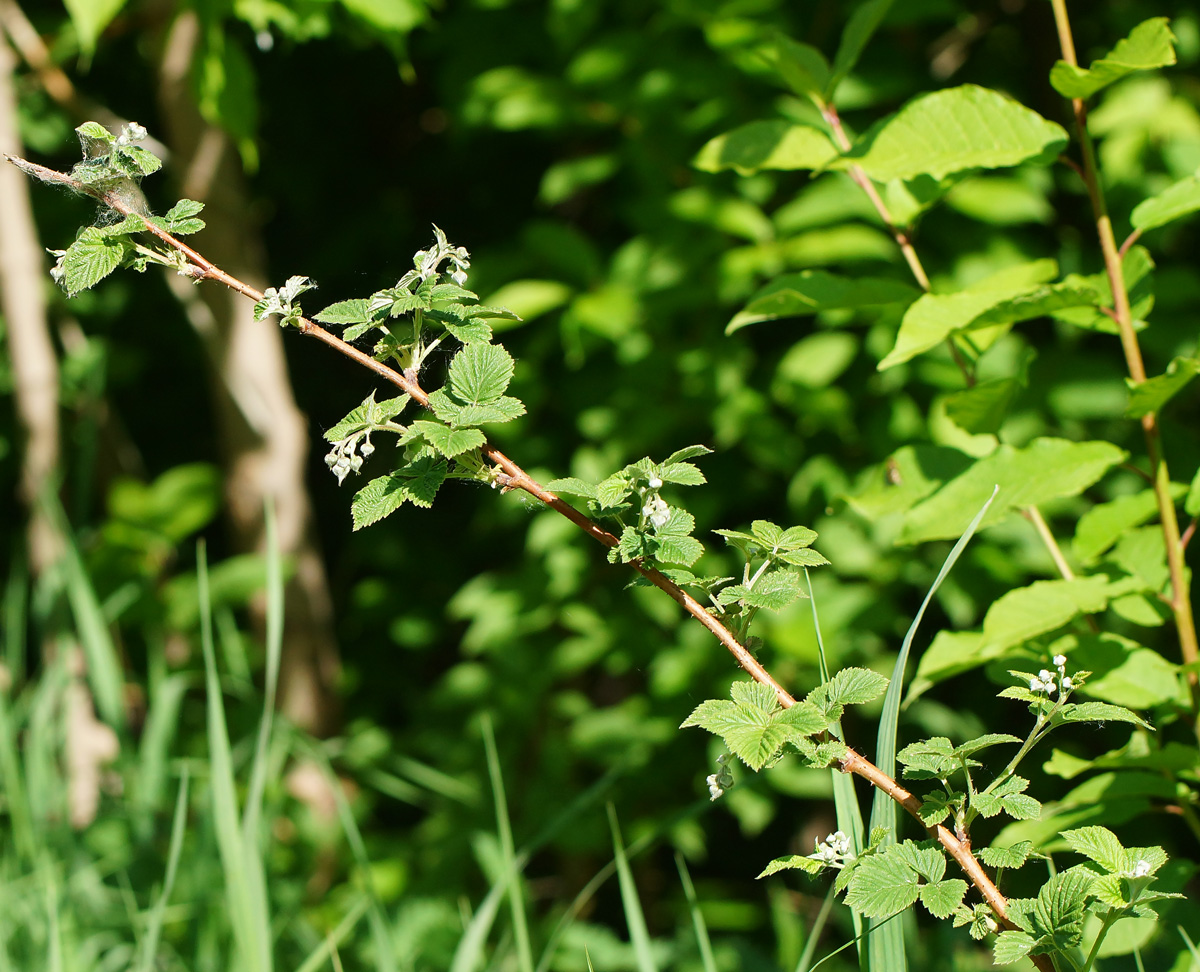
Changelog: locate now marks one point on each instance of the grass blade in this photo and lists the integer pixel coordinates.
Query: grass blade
(886, 940)
(845, 800)
(104, 671)
(275, 617)
(158, 913)
(689, 892)
(639, 935)
(516, 899)
(324, 951)
(245, 889)
(16, 598)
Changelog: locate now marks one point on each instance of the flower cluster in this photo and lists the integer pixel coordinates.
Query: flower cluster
(343, 459)
(131, 134)
(656, 512)
(429, 262)
(834, 850)
(1050, 682)
(721, 780)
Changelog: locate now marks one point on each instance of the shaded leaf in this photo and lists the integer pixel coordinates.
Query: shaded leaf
(1151, 395)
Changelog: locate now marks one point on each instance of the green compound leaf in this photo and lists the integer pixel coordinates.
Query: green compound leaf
(503, 409)
(677, 550)
(753, 724)
(1149, 45)
(951, 130)
(449, 442)
(611, 491)
(1059, 909)
(416, 483)
(471, 331)
(91, 258)
(792, 862)
(180, 219)
(1098, 844)
(1151, 395)
(1007, 857)
(1010, 798)
(941, 899)
(355, 311)
(773, 591)
(882, 885)
(1174, 202)
(1045, 469)
(812, 291)
(480, 373)
(774, 144)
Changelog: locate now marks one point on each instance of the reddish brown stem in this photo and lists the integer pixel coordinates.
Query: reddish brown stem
(514, 477)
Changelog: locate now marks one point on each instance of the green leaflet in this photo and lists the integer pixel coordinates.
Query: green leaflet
(858, 31)
(416, 483)
(951, 130)
(935, 317)
(1103, 525)
(91, 258)
(1149, 45)
(1043, 470)
(772, 144)
(480, 373)
(812, 291)
(983, 407)
(1042, 606)
(1174, 202)
(802, 67)
(1149, 396)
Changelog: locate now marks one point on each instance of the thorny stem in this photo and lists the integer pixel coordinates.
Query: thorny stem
(512, 476)
(1180, 602)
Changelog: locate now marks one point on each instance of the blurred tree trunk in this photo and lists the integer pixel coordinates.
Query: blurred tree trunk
(262, 431)
(30, 348)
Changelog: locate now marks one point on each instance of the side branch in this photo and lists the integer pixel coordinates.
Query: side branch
(514, 477)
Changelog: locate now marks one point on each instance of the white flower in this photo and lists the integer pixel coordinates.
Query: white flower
(366, 448)
(657, 512)
(1141, 869)
(655, 482)
(1067, 684)
(131, 134)
(1060, 661)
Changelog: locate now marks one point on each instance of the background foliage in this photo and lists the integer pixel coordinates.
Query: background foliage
(556, 140)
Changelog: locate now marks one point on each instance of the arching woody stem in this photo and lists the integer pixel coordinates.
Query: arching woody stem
(512, 476)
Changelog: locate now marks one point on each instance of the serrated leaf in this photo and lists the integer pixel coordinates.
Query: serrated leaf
(1045, 469)
(803, 717)
(804, 557)
(147, 163)
(679, 523)
(935, 807)
(480, 373)
(1059, 909)
(793, 862)
(91, 258)
(947, 131)
(671, 549)
(882, 886)
(773, 144)
(1012, 946)
(687, 452)
(379, 498)
(1099, 712)
(856, 686)
(1149, 45)
(1007, 857)
(681, 474)
(942, 898)
(1174, 202)
(767, 533)
(983, 742)
(369, 413)
(355, 311)
(97, 132)
(449, 442)
(472, 331)
(755, 694)
(748, 731)
(1098, 844)
(573, 486)
(1149, 396)
(503, 409)
(812, 291)
(774, 591)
